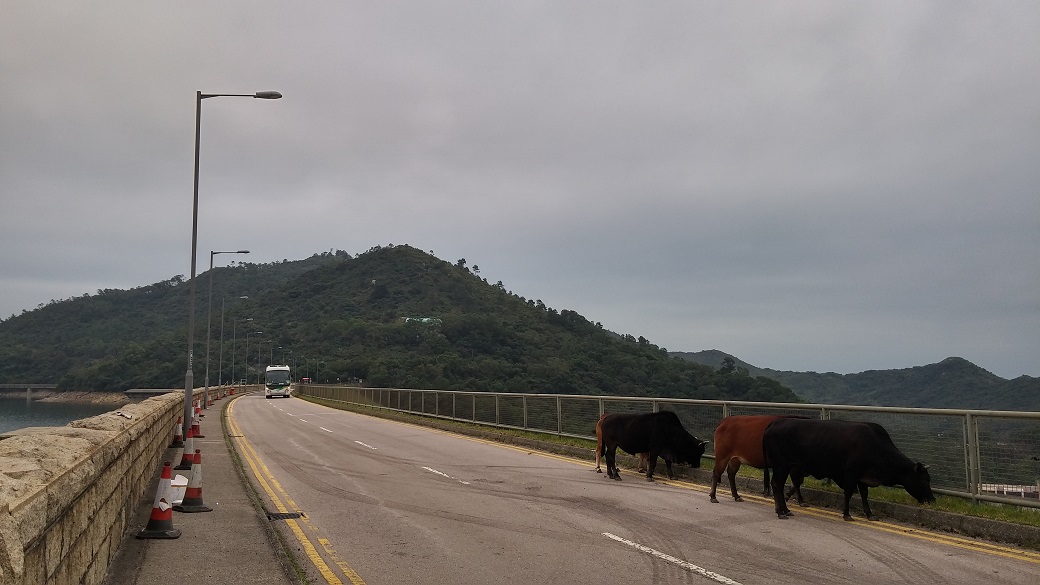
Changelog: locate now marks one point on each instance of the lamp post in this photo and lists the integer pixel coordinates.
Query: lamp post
(220, 360)
(209, 320)
(258, 342)
(234, 354)
(189, 377)
(246, 367)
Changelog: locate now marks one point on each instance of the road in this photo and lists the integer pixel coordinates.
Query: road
(390, 503)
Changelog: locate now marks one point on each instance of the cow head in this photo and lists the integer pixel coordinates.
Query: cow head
(693, 451)
(919, 484)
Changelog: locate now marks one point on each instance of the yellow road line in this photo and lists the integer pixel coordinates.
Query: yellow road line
(284, 504)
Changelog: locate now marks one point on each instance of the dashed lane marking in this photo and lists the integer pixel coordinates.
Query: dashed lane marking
(684, 564)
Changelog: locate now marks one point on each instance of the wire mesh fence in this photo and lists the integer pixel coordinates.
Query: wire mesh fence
(983, 455)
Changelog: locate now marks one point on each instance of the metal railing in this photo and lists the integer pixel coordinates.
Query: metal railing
(965, 449)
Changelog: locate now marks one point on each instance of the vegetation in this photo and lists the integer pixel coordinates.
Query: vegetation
(393, 317)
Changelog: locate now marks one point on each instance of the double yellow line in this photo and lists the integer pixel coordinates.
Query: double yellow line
(285, 505)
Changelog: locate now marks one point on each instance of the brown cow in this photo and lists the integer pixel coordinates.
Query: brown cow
(738, 439)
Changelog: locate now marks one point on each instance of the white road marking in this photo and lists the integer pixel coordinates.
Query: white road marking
(303, 419)
(688, 566)
(442, 474)
(325, 429)
(363, 444)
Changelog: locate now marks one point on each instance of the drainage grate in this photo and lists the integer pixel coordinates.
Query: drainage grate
(272, 516)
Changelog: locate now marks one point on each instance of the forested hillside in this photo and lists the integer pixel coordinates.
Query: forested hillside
(951, 383)
(392, 317)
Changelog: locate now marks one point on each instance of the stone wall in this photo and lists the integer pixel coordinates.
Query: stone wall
(68, 494)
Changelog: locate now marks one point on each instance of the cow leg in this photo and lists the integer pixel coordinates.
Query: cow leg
(796, 488)
(716, 475)
(866, 505)
(612, 470)
(731, 473)
(766, 488)
(651, 466)
(642, 463)
(779, 503)
(851, 489)
(668, 468)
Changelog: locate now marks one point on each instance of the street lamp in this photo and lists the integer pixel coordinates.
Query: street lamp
(220, 360)
(258, 371)
(246, 367)
(209, 320)
(189, 377)
(234, 354)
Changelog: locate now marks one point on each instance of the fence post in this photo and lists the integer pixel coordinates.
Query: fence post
(971, 456)
(498, 413)
(559, 417)
(525, 411)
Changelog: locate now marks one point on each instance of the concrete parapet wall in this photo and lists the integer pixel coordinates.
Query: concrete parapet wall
(67, 494)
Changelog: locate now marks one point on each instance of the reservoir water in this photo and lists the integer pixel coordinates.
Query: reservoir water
(20, 413)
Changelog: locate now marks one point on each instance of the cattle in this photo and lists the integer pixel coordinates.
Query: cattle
(738, 440)
(856, 455)
(659, 434)
(599, 447)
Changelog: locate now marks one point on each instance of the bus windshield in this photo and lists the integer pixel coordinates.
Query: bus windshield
(277, 378)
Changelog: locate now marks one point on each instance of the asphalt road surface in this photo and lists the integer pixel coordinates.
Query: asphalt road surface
(390, 503)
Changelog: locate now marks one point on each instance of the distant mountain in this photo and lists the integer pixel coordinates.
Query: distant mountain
(951, 383)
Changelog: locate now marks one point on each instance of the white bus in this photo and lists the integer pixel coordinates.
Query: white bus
(277, 382)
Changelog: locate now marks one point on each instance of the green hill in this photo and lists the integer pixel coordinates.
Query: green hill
(951, 383)
(393, 317)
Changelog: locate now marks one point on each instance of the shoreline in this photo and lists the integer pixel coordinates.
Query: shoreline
(113, 398)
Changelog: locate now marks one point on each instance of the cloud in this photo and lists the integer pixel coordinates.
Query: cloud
(819, 186)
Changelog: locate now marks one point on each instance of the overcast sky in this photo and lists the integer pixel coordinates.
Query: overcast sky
(810, 186)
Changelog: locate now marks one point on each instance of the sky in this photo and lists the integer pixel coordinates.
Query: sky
(808, 186)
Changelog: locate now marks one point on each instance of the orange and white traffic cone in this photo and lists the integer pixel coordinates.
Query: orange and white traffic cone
(186, 457)
(178, 435)
(160, 523)
(195, 430)
(192, 501)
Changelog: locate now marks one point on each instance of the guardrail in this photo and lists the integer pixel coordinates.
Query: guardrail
(965, 449)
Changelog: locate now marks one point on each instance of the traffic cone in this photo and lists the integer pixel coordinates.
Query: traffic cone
(186, 457)
(178, 435)
(160, 523)
(232, 391)
(192, 501)
(195, 430)
(209, 399)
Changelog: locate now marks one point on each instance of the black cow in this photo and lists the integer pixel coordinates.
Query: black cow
(660, 434)
(853, 454)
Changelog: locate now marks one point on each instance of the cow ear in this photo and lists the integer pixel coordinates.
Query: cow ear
(921, 467)
(704, 442)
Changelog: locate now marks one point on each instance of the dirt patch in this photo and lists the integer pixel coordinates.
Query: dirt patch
(113, 398)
